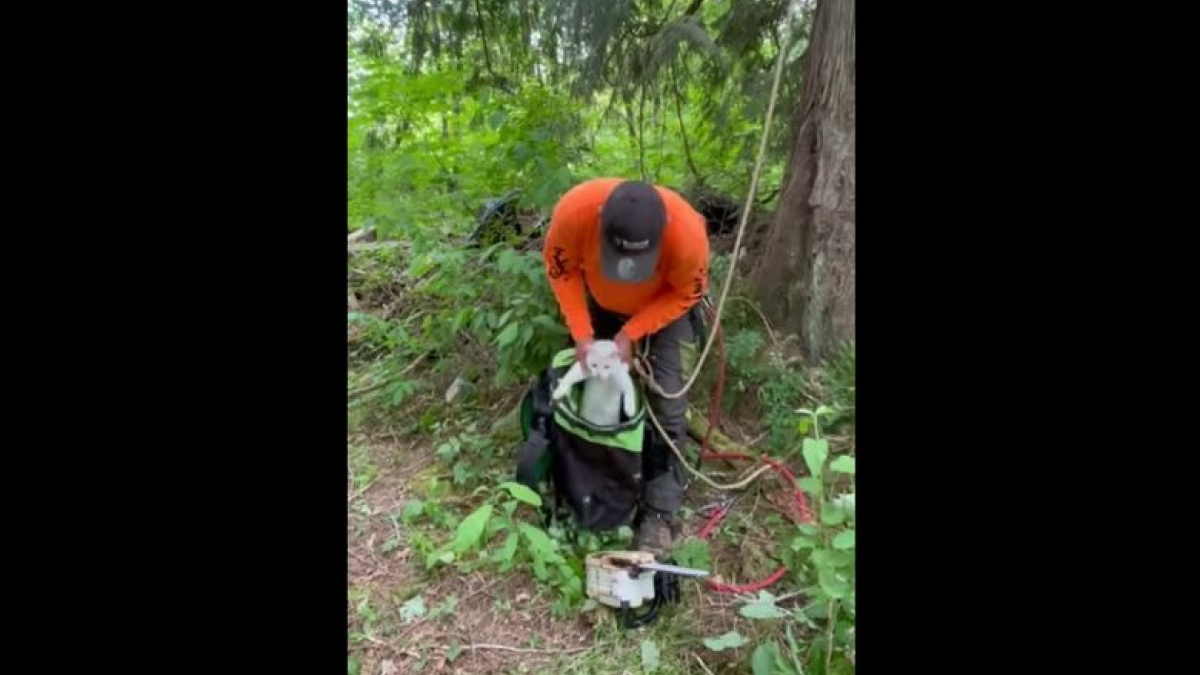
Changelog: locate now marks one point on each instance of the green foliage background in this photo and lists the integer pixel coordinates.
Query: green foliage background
(452, 103)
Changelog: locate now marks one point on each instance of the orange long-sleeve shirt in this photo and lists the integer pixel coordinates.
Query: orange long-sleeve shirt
(572, 256)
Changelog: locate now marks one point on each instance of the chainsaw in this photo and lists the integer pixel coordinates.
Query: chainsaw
(627, 580)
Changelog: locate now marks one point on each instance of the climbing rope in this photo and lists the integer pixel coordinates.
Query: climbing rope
(641, 365)
(642, 368)
(804, 513)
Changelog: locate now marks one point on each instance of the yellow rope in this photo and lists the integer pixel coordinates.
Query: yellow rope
(642, 369)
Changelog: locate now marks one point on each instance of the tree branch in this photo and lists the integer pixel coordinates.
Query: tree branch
(687, 147)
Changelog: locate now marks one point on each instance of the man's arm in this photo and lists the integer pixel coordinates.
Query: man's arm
(562, 254)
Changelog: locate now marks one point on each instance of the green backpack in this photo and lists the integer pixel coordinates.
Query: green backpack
(596, 472)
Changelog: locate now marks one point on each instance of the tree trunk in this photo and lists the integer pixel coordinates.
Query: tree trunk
(805, 275)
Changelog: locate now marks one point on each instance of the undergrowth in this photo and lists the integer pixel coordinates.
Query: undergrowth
(482, 322)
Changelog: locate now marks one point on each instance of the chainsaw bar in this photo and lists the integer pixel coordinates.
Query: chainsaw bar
(672, 569)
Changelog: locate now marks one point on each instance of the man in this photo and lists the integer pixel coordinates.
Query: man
(628, 261)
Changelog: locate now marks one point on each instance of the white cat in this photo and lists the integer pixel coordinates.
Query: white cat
(607, 385)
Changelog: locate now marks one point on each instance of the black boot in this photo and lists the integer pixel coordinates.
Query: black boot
(656, 532)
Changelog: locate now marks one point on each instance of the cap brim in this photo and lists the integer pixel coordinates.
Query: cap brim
(627, 267)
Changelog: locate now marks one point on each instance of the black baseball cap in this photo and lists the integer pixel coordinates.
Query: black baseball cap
(631, 227)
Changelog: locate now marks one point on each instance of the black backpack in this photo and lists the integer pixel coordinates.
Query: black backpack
(595, 472)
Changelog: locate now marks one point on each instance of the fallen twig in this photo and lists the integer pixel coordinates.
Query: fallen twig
(702, 664)
(361, 491)
(481, 591)
(387, 645)
(523, 650)
(380, 385)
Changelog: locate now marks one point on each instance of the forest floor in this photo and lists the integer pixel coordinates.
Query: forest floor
(488, 622)
(420, 459)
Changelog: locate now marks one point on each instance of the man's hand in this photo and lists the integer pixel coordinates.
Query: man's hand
(624, 346)
(581, 350)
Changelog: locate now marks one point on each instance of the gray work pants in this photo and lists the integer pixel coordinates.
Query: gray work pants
(663, 486)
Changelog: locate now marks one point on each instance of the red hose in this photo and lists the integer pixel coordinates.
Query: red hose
(714, 410)
(747, 588)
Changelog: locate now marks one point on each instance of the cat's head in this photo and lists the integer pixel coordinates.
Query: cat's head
(604, 359)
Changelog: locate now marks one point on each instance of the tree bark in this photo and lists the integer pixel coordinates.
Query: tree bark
(805, 274)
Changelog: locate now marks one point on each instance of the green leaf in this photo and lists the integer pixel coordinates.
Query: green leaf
(803, 426)
(401, 390)
(802, 542)
(505, 555)
(830, 559)
(539, 569)
(526, 334)
(541, 547)
(730, 640)
(352, 666)
(436, 557)
(815, 451)
(508, 261)
(832, 515)
(763, 607)
(522, 493)
(460, 319)
(765, 658)
(471, 529)
(521, 153)
(453, 652)
(413, 609)
(843, 464)
(508, 335)
(831, 584)
(812, 486)
(649, 656)
(413, 508)
(461, 473)
(844, 540)
(694, 553)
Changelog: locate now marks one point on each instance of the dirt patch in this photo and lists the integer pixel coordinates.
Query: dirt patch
(492, 623)
(466, 622)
